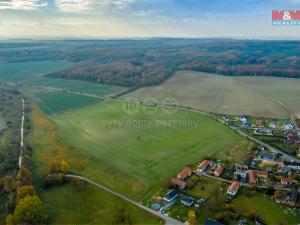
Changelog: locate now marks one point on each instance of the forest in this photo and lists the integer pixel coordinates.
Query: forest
(135, 63)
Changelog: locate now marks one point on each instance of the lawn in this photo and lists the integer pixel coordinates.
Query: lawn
(88, 205)
(221, 94)
(204, 188)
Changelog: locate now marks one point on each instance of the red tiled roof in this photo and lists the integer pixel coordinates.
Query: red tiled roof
(260, 173)
(286, 180)
(203, 164)
(252, 179)
(185, 172)
(219, 170)
(259, 122)
(178, 182)
(234, 186)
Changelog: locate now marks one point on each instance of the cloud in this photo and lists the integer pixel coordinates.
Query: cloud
(90, 5)
(22, 4)
(74, 5)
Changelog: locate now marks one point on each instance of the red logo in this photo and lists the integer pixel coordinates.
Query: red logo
(286, 15)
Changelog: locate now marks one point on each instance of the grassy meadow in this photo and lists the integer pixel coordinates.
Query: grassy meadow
(89, 205)
(225, 94)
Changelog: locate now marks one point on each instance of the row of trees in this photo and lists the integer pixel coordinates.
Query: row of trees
(23, 205)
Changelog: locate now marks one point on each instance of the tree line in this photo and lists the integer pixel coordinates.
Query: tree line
(136, 63)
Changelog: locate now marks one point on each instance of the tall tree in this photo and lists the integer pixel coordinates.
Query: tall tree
(64, 167)
(192, 217)
(29, 210)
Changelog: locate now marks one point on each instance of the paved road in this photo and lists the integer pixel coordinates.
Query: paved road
(168, 220)
(241, 183)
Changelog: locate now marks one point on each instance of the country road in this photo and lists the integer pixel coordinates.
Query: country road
(22, 133)
(241, 183)
(168, 220)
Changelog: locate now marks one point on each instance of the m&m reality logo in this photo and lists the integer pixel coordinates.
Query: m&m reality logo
(286, 17)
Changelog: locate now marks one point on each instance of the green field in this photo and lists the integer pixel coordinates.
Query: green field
(89, 205)
(28, 71)
(76, 205)
(143, 155)
(78, 86)
(32, 75)
(230, 95)
(58, 102)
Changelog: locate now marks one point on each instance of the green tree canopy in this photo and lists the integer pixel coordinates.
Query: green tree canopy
(29, 210)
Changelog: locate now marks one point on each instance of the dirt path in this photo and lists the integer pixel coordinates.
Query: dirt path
(22, 134)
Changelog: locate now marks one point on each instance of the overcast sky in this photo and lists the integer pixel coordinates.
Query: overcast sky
(143, 18)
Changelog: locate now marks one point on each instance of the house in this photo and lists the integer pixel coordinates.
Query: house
(170, 196)
(286, 181)
(260, 122)
(218, 171)
(241, 167)
(251, 177)
(281, 165)
(203, 165)
(266, 156)
(240, 172)
(212, 222)
(273, 124)
(294, 166)
(233, 188)
(261, 174)
(244, 119)
(186, 172)
(290, 137)
(289, 126)
(180, 184)
(187, 201)
(226, 117)
(282, 168)
(263, 131)
(254, 175)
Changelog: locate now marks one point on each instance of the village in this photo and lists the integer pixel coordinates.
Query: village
(280, 133)
(265, 171)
